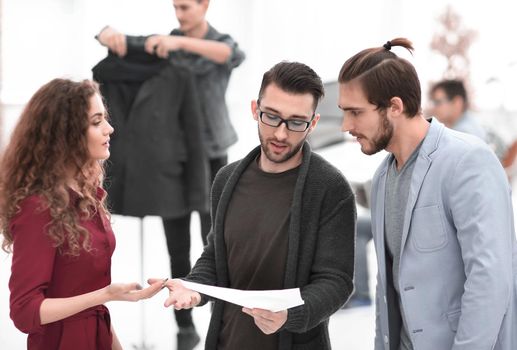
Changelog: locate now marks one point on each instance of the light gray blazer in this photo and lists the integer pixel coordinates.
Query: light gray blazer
(458, 260)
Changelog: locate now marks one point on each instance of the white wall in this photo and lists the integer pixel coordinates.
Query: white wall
(49, 38)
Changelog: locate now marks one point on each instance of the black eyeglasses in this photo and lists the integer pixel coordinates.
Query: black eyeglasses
(291, 124)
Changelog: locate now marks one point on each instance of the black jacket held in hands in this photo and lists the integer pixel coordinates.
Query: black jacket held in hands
(320, 256)
(157, 164)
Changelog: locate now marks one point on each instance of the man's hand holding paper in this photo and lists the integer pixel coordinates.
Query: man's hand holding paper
(267, 321)
(180, 297)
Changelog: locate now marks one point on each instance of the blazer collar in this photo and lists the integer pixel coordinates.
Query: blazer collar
(430, 144)
(422, 165)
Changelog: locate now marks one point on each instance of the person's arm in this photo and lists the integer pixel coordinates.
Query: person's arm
(113, 40)
(161, 45)
(28, 284)
(55, 309)
(332, 270)
(481, 208)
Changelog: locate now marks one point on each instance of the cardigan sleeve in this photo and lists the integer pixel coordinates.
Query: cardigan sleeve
(331, 278)
(32, 264)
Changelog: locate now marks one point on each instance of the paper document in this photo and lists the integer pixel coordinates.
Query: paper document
(272, 300)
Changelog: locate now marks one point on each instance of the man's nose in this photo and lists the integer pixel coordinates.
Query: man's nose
(281, 132)
(346, 124)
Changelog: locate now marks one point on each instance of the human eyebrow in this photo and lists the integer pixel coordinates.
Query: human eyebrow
(278, 113)
(270, 110)
(301, 117)
(344, 109)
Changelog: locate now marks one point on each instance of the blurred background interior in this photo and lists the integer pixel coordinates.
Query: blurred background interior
(45, 39)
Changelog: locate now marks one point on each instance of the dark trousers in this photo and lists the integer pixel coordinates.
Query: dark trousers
(364, 235)
(177, 234)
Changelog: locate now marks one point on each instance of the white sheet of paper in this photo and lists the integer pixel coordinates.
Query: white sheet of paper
(272, 300)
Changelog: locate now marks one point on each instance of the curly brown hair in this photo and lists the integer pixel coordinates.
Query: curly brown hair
(48, 148)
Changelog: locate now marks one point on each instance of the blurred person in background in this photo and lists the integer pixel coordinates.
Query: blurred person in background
(54, 220)
(211, 56)
(450, 105)
(442, 216)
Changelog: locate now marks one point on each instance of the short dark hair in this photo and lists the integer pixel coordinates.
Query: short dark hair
(452, 88)
(383, 75)
(294, 77)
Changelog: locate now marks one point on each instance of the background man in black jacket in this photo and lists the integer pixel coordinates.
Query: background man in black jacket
(198, 47)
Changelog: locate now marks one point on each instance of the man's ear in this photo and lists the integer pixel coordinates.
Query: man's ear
(205, 4)
(314, 122)
(254, 109)
(396, 107)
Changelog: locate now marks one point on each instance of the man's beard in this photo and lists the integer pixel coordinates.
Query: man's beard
(383, 137)
(271, 156)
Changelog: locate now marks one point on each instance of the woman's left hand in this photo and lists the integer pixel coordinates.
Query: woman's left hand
(132, 291)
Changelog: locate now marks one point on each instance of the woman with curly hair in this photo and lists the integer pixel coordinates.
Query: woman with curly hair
(54, 220)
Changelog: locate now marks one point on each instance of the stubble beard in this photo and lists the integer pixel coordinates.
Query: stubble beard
(272, 157)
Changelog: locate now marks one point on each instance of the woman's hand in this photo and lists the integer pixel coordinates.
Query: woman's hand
(55, 309)
(132, 291)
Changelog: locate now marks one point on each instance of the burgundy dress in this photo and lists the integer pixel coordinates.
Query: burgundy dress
(39, 271)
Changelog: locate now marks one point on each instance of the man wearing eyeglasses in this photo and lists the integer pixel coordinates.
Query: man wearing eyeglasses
(209, 56)
(282, 217)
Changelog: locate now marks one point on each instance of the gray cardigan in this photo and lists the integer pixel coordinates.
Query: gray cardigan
(320, 257)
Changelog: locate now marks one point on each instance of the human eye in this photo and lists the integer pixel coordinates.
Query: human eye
(271, 117)
(298, 123)
(97, 120)
(352, 113)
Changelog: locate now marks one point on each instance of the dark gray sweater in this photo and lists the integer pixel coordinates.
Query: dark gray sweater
(320, 258)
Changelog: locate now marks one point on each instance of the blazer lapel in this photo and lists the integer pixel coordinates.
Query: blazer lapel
(379, 202)
(422, 165)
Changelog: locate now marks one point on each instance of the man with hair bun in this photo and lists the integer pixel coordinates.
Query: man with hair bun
(442, 216)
